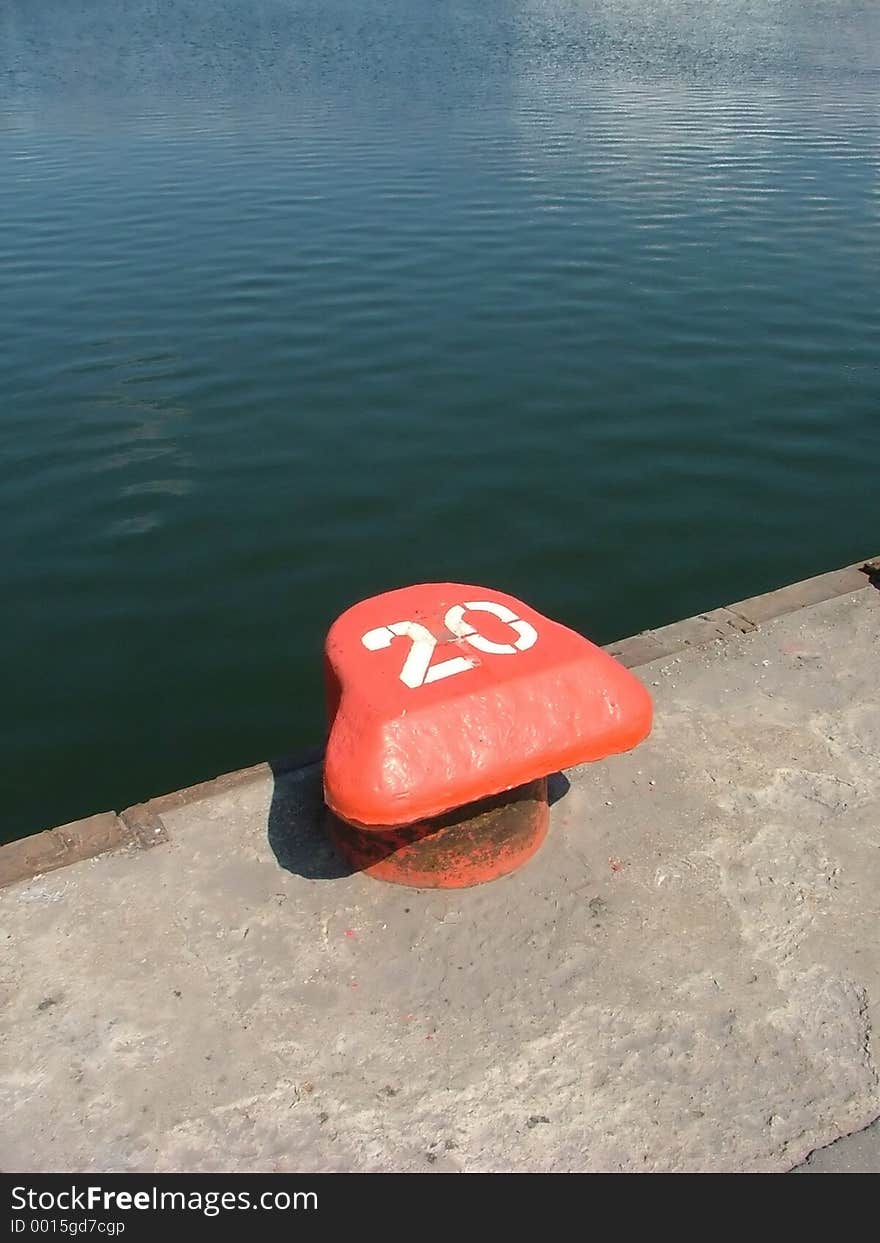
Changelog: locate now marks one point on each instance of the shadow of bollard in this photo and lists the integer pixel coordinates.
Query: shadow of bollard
(296, 831)
(558, 785)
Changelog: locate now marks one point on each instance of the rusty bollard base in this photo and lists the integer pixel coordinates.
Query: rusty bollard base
(461, 848)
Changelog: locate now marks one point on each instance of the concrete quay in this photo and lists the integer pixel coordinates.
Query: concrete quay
(686, 977)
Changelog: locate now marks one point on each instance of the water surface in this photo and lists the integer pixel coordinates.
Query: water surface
(303, 301)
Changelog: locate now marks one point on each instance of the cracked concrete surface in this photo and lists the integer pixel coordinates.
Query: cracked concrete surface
(686, 977)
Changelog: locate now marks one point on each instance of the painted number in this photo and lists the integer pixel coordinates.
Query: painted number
(417, 668)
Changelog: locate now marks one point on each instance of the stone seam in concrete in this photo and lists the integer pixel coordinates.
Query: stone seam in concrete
(141, 826)
(145, 827)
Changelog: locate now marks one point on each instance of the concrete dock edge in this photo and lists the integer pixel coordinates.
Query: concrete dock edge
(140, 827)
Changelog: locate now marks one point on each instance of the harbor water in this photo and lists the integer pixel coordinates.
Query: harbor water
(301, 300)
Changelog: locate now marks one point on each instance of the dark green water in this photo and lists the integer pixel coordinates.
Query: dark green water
(300, 301)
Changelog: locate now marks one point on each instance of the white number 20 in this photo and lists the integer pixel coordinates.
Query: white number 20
(417, 668)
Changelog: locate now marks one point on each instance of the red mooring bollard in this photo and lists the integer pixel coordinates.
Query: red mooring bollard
(448, 706)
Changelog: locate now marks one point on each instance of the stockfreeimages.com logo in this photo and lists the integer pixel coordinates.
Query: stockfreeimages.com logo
(209, 1203)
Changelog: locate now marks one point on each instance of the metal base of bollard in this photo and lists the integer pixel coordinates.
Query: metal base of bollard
(465, 847)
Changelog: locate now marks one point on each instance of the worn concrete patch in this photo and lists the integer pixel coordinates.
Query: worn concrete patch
(854, 1154)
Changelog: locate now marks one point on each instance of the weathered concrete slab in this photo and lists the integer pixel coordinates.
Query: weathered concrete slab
(685, 978)
(743, 616)
(799, 595)
(56, 848)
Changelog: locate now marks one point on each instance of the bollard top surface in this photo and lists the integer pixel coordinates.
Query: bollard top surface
(443, 693)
